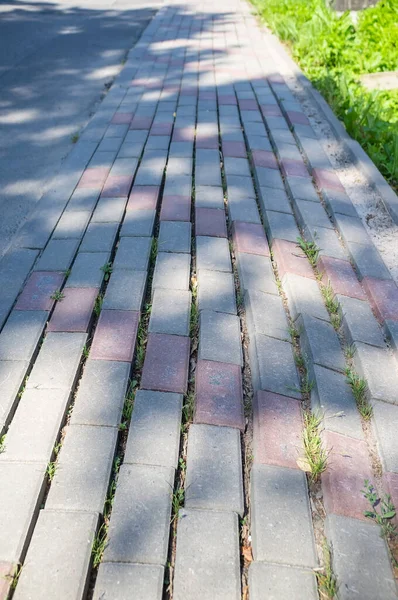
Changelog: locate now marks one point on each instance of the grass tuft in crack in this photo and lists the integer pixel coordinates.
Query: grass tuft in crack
(332, 305)
(310, 249)
(57, 295)
(359, 390)
(315, 454)
(98, 304)
(327, 581)
(101, 537)
(2, 443)
(107, 269)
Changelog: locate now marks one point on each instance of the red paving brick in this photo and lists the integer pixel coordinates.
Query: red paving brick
(6, 578)
(290, 258)
(390, 484)
(383, 297)
(176, 208)
(341, 276)
(234, 149)
(74, 311)
(297, 118)
(250, 238)
(93, 177)
(38, 290)
(211, 222)
(263, 158)
(219, 399)
(166, 363)
(141, 122)
(248, 105)
(271, 110)
(294, 168)
(274, 414)
(120, 118)
(143, 197)
(343, 480)
(161, 129)
(117, 186)
(115, 335)
(226, 100)
(327, 180)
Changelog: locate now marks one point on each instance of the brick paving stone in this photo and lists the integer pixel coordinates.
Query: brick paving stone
(172, 271)
(143, 197)
(12, 373)
(214, 469)
(311, 215)
(277, 430)
(218, 533)
(36, 295)
(216, 291)
(21, 493)
(360, 559)
(237, 166)
(166, 363)
(272, 366)
(264, 158)
(281, 226)
(265, 314)
(332, 397)
(348, 466)
(320, 344)
(207, 196)
(115, 335)
(125, 291)
(93, 177)
(243, 210)
(21, 334)
(368, 261)
(99, 237)
(279, 581)
(117, 186)
(71, 225)
(359, 323)
(301, 188)
(74, 311)
(101, 393)
(58, 535)
(383, 297)
(239, 188)
(281, 518)
(109, 210)
(218, 394)
(271, 199)
(35, 426)
(384, 425)
(87, 270)
(116, 580)
(220, 337)
(82, 484)
(268, 178)
(140, 521)
(14, 269)
(327, 242)
(352, 229)
(304, 297)
(154, 434)
(338, 202)
(170, 312)
(259, 142)
(57, 255)
(176, 208)
(341, 276)
(294, 168)
(133, 253)
(255, 272)
(174, 236)
(250, 238)
(328, 180)
(138, 223)
(212, 254)
(379, 369)
(210, 222)
(291, 259)
(234, 149)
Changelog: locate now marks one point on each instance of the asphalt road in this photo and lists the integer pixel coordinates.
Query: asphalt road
(56, 61)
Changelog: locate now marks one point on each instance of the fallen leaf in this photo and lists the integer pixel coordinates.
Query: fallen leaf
(247, 553)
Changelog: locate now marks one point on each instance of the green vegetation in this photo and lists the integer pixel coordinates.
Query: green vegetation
(333, 52)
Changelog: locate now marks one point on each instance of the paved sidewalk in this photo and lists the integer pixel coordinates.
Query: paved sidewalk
(165, 341)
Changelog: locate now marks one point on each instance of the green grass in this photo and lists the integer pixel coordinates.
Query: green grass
(359, 390)
(383, 510)
(333, 52)
(327, 581)
(316, 455)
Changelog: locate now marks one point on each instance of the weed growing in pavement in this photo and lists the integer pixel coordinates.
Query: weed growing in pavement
(107, 270)
(57, 295)
(310, 249)
(299, 360)
(359, 389)
(86, 351)
(293, 332)
(128, 408)
(177, 502)
(99, 545)
(383, 510)
(327, 581)
(349, 351)
(188, 407)
(98, 304)
(315, 454)
(194, 319)
(332, 305)
(15, 577)
(154, 250)
(142, 337)
(67, 273)
(52, 465)
(75, 137)
(2, 443)
(306, 386)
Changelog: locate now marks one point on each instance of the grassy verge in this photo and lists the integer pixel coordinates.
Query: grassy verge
(333, 51)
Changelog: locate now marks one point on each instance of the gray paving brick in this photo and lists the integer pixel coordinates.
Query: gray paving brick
(101, 393)
(239, 188)
(319, 343)
(35, 427)
(58, 535)
(236, 166)
(172, 271)
(259, 142)
(207, 196)
(174, 236)
(109, 210)
(212, 254)
(271, 199)
(57, 256)
(220, 337)
(304, 297)
(12, 373)
(379, 368)
(125, 290)
(214, 469)
(154, 435)
(290, 151)
(71, 225)
(138, 223)
(385, 427)
(265, 314)
(133, 253)
(360, 560)
(315, 154)
(99, 237)
(338, 203)
(83, 199)
(21, 490)
(84, 467)
(311, 215)
(179, 166)
(116, 581)
(331, 396)
(272, 366)
(304, 131)
(217, 532)
(86, 270)
(171, 311)
(216, 291)
(243, 210)
(368, 261)
(352, 230)
(391, 332)
(207, 167)
(281, 518)
(268, 178)
(256, 273)
(281, 135)
(281, 226)
(21, 334)
(140, 522)
(281, 582)
(57, 362)
(359, 324)
(327, 242)
(14, 268)
(178, 185)
(302, 188)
